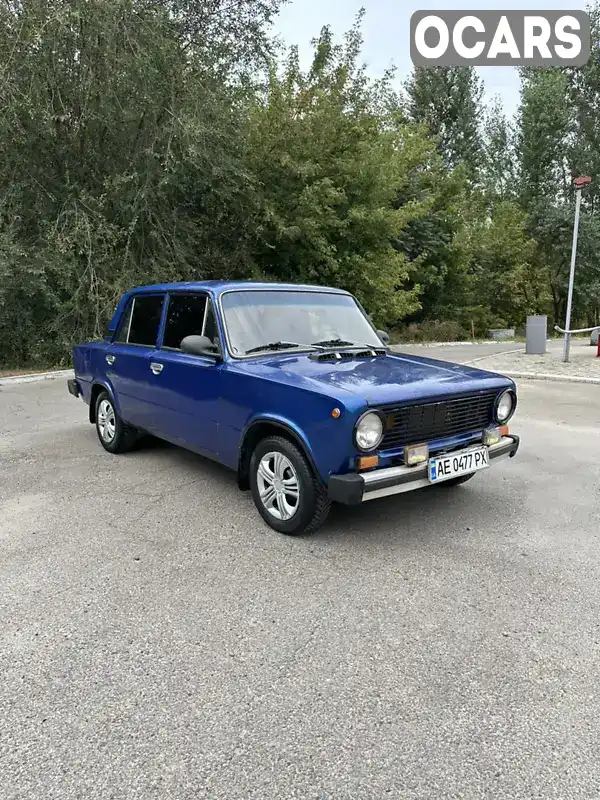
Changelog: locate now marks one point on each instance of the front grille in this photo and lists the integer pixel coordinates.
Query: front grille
(430, 421)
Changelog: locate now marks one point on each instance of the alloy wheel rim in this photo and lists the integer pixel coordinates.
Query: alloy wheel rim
(106, 421)
(278, 486)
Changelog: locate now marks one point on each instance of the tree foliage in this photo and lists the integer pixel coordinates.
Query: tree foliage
(123, 154)
(448, 100)
(559, 140)
(500, 166)
(147, 140)
(329, 163)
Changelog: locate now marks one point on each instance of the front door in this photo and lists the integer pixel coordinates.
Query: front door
(184, 390)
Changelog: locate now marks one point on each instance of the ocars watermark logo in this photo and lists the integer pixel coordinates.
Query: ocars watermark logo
(500, 38)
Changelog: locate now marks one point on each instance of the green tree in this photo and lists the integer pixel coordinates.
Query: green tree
(583, 95)
(431, 241)
(553, 226)
(509, 282)
(544, 125)
(500, 166)
(448, 101)
(123, 133)
(330, 158)
(145, 140)
(559, 140)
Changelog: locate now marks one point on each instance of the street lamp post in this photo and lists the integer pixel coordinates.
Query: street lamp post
(579, 184)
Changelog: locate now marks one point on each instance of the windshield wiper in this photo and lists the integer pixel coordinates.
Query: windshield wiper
(277, 346)
(333, 342)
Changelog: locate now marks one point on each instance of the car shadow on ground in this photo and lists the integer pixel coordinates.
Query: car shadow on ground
(432, 512)
(412, 512)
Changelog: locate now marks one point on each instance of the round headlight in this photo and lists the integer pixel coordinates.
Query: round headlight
(369, 431)
(505, 407)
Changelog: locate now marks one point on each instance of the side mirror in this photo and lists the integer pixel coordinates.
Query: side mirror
(199, 346)
(384, 337)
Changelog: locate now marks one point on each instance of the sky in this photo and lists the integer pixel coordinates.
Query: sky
(386, 31)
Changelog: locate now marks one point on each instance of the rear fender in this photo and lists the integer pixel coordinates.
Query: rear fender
(99, 385)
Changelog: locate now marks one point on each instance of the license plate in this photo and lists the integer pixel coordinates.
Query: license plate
(453, 465)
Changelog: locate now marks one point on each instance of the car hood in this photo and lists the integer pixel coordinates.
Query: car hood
(392, 378)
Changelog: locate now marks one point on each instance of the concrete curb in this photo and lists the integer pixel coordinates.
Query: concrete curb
(452, 344)
(39, 376)
(533, 376)
(503, 353)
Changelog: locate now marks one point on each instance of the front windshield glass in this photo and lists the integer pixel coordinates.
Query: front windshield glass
(257, 318)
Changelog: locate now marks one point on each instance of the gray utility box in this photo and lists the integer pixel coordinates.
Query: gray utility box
(536, 335)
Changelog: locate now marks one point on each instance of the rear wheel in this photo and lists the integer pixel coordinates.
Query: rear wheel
(114, 434)
(286, 492)
(458, 481)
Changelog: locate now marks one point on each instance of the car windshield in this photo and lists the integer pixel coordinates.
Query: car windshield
(275, 319)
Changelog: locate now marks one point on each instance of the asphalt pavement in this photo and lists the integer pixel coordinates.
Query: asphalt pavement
(158, 641)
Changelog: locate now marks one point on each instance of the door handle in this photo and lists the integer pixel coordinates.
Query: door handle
(110, 360)
(156, 368)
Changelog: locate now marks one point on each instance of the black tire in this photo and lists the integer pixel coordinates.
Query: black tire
(312, 502)
(124, 436)
(457, 481)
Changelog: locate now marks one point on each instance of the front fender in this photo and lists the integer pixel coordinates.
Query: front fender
(324, 453)
(285, 424)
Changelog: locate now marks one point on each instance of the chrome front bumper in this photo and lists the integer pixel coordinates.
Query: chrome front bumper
(356, 487)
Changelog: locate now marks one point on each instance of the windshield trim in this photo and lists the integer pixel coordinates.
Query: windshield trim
(291, 350)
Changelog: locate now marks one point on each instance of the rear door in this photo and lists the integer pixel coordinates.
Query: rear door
(128, 358)
(185, 389)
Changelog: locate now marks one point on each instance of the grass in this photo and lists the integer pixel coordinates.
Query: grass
(6, 372)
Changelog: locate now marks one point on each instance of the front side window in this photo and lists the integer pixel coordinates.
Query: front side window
(185, 317)
(256, 318)
(141, 321)
(189, 315)
(210, 324)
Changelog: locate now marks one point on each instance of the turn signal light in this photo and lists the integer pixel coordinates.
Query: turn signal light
(368, 462)
(503, 430)
(491, 436)
(415, 454)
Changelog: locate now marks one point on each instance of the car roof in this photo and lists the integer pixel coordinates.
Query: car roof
(219, 287)
(214, 288)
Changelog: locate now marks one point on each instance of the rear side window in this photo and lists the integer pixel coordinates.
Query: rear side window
(142, 320)
(185, 317)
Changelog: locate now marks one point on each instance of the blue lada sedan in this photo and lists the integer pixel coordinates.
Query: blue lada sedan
(294, 389)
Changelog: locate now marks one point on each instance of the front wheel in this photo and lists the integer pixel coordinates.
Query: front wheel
(114, 434)
(286, 492)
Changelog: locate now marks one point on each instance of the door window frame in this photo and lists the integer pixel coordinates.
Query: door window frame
(163, 326)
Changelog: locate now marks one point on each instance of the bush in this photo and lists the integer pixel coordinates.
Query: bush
(433, 331)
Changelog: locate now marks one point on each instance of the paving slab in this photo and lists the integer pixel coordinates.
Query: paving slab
(583, 363)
